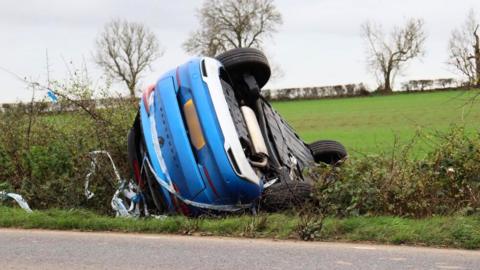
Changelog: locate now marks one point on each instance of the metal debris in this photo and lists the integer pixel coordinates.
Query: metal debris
(126, 189)
(4, 196)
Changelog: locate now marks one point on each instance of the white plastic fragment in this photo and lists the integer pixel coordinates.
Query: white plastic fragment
(269, 183)
(93, 167)
(159, 217)
(18, 198)
(128, 191)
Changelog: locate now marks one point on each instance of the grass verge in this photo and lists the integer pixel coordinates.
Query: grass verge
(453, 231)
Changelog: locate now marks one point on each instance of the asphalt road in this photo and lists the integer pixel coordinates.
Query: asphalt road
(34, 249)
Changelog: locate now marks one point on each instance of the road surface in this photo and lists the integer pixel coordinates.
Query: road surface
(36, 249)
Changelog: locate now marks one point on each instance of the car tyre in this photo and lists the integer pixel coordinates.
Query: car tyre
(285, 195)
(246, 60)
(327, 151)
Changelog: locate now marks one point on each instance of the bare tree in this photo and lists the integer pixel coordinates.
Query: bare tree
(125, 49)
(464, 49)
(227, 24)
(387, 56)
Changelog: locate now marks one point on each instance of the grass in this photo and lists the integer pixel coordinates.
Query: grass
(370, 124)
(456, 232)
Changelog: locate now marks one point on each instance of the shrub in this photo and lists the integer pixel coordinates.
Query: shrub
(445, 181)
(44, 149)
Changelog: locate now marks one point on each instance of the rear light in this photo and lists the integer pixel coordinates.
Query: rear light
(193, 124)
(146, 97)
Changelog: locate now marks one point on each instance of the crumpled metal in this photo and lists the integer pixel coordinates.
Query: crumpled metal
(125, 188)
(18, 198)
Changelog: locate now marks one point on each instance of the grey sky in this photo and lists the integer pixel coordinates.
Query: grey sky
(318, 44)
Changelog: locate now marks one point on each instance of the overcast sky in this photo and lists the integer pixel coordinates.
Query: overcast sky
(318, 44)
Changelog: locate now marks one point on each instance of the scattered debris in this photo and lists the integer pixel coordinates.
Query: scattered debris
(4, 196)
(126, 189)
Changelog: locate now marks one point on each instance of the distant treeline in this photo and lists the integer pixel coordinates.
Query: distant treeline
(346, 90)
(65, 105)
(351, 90)
(438, 84)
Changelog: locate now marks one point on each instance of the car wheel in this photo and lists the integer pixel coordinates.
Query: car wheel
(285, 195)
(327, 151)
(246, 60)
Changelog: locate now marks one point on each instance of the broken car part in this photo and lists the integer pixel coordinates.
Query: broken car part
(127, 189)
(4, 196)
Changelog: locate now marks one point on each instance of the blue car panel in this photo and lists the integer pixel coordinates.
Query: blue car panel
(149, 144)
(200, 177)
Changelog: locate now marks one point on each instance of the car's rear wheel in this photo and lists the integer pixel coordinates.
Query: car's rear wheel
(328, 151)
(285, 195)
(240, 61)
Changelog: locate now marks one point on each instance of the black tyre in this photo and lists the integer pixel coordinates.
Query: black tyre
(327, 151)
(132, 146)
(286, 195)
(246, 60)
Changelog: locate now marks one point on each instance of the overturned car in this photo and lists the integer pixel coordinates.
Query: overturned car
(205, 140)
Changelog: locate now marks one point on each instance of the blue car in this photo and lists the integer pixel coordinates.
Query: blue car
(205, 140)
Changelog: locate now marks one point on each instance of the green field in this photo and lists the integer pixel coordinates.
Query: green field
(370, 124)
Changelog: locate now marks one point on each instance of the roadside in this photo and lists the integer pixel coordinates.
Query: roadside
(447, 231)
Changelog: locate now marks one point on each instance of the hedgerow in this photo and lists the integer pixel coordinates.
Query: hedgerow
(44, 155)
(445, 181)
